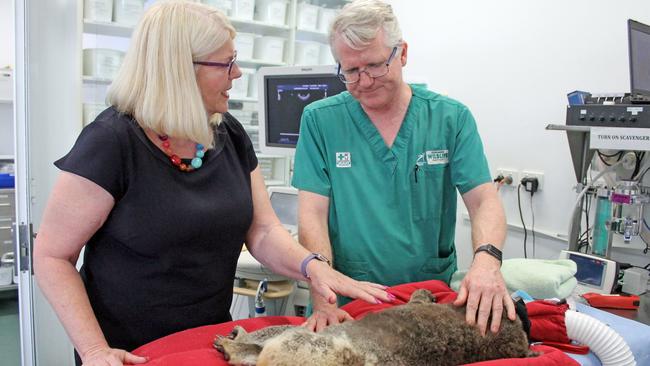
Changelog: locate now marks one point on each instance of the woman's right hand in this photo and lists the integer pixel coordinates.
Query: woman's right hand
(111, 357)
(327, 282)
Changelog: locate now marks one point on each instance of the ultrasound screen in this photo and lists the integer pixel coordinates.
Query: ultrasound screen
(286, 97)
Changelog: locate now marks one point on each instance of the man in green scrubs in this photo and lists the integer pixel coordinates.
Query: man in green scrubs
(378, 168)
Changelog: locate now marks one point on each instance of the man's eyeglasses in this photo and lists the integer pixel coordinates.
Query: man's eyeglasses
(373, 71)
(219, 64)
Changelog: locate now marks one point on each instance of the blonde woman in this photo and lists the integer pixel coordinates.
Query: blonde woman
(162, 189)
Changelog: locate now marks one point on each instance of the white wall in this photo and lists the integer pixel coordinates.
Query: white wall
(513, 62)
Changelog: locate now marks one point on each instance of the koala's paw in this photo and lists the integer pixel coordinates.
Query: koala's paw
(219, 344)
(237, 331)
(422, 296)
(236, 348)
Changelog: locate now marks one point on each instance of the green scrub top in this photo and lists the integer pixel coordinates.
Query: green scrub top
(392, 213)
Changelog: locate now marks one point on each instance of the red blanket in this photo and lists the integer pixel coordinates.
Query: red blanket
(194, 346)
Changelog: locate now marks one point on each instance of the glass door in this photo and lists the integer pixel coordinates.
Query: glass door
(47, 121)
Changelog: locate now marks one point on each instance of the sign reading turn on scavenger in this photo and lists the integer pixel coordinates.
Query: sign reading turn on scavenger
(620, 138)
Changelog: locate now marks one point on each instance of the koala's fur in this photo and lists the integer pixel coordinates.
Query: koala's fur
(418, 333)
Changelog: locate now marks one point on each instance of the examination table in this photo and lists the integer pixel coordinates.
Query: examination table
(194, 346)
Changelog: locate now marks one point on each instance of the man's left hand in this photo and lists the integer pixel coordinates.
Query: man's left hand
(484, 291)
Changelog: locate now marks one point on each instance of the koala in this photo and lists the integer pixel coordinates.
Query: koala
(420, 332)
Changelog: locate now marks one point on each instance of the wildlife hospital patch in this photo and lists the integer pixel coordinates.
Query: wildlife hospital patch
(436, 157)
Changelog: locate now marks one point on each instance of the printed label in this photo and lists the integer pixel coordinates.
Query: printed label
(343, 160)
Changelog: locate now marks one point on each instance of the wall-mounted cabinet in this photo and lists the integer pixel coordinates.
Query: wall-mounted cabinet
(269, 33)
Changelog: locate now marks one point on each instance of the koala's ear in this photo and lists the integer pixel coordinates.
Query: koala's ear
(422, 296)
(522, 313)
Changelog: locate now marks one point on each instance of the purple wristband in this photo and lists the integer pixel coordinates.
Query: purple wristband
(303, 265)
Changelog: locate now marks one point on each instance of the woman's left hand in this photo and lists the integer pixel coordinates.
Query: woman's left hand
(329, 282)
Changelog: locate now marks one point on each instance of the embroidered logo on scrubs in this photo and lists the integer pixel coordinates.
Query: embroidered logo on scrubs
(435, 157)
(420, 160)
(343, 160)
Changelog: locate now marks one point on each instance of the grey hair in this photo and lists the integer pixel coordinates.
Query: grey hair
(156, 83)
(359, 21)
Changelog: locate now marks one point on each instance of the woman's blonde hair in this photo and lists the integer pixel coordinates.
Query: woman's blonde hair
(359, 21)
(156, 83)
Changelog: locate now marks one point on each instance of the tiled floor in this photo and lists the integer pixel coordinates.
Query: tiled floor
(9, 330)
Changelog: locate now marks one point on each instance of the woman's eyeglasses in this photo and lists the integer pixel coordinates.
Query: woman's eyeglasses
(219, 64)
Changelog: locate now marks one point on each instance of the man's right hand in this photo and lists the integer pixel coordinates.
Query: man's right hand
(325, 315)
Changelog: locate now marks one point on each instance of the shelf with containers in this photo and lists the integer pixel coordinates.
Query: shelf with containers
(269, 33)
(107, 26)
(7, 219)
(6, 118)
(7, 180)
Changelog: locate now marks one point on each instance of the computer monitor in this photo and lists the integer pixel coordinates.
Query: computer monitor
(284, 201)
(284, 93)
(594, 273)
(639, 44)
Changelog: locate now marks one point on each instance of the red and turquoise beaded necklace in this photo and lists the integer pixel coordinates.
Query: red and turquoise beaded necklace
(196, 162)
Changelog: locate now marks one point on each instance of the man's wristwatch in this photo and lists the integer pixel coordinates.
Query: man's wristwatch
(491, 250)
(317, 256)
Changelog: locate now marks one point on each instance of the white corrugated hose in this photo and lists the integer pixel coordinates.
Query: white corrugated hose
(603, 341)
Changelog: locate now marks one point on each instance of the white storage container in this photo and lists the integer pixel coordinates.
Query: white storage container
(274, 169)
(252, 90)
(269, 49)
(98, 10)
(127, 12)
(7, 275)
(243, 9)
(244, 44)
(224, 5)
(254, 136)
(266, 167)
(271, 11)
(6, 84)
(307, 17)
(102, 62)
(325, 18)
(244, 116)
(240, 85)
(91, 111)
(307, 53)
(326, 57)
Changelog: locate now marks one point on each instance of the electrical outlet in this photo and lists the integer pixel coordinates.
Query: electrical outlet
(509, 173)
(531, 174)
